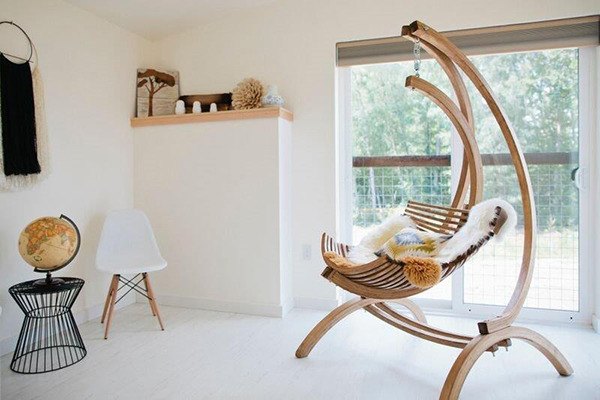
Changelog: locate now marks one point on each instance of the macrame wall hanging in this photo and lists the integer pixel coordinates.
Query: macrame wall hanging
(23, 136)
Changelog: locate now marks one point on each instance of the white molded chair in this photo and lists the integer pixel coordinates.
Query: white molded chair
(128, 247)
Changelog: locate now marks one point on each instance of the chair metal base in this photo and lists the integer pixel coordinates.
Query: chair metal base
(118, 283)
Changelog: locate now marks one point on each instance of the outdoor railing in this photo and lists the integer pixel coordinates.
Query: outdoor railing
(382, 184)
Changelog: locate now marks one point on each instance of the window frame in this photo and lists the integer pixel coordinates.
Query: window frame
(588, 82)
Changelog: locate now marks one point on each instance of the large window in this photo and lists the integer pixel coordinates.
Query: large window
(402, 148)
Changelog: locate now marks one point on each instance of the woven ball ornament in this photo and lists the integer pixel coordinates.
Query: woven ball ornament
(247, 94)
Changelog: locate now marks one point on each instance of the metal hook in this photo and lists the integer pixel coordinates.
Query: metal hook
(417, 55)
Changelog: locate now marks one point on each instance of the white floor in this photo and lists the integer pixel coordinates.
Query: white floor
(211, 355)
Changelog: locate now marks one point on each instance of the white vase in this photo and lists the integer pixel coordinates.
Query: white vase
(197, 107)
(272, 98)
(179, 107)
(213, 107)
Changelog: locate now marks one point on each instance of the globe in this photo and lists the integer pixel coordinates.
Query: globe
(49, 243)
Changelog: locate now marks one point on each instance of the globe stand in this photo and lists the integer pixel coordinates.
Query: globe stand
(49, 338)
(49, 280)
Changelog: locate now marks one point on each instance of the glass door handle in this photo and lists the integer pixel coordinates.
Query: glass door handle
(576, 177)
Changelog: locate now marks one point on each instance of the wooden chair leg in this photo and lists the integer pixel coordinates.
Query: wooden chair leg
(471, 353)
(145, 276)
(152, 300)
(329, 321)
(413, 308)
(111, 306)
(108, 296)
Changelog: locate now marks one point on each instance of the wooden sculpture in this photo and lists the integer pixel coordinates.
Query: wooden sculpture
(384, 280)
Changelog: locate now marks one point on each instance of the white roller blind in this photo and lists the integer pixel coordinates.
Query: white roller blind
(562, 33)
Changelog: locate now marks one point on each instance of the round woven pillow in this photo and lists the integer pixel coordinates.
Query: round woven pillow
(422, 272)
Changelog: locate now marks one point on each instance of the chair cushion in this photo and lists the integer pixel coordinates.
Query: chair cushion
(384, 231)
(414, 243)
(478, 229)
(364, 252)
(444, 248)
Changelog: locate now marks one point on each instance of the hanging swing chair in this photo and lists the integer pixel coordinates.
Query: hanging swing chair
(385, 279)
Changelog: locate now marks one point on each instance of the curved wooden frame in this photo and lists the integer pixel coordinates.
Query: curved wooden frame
(383, 280)
(416, 326)
(464, 103)
(435, 40)
(476, 347)
(465, 131)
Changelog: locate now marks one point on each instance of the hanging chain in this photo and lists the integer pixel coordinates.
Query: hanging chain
(417, 54)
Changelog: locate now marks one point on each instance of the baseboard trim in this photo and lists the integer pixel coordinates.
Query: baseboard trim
(313, 303)
(287, 307)
(266, 310)
(596, 323)
(7, 345)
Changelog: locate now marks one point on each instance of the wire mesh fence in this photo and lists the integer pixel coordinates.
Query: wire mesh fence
(491, 275)
(378, 192)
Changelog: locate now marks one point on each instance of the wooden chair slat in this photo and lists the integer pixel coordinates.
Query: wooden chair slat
(448, 218)
(452, 226)
(457, 210)
(433, 227)
(391, 276)
(394, 281)
(343, 249)
(366, 274)
(379, 272)
(450, 215)
(445, 220)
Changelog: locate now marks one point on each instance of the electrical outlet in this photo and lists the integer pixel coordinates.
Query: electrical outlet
(306, 252)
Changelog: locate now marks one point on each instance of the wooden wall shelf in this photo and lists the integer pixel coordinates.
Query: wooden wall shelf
(269, 112)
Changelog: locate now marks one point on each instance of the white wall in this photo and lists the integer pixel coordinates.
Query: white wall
(292, 44)
(88, 66)
(216, 193)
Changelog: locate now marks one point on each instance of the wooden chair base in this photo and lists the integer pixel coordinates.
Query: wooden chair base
(477, 346)
(131, 284)
(473, 347)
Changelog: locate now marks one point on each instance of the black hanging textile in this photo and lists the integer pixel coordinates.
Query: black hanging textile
(19, 146)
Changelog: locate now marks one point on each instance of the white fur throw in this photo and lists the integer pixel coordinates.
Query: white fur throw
(376, 238)
(477, 227)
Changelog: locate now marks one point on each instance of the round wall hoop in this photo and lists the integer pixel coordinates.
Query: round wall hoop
(31, 46)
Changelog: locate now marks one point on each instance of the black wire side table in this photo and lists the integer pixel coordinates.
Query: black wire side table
(49, 338)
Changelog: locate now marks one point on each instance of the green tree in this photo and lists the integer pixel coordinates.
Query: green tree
(539, 92)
